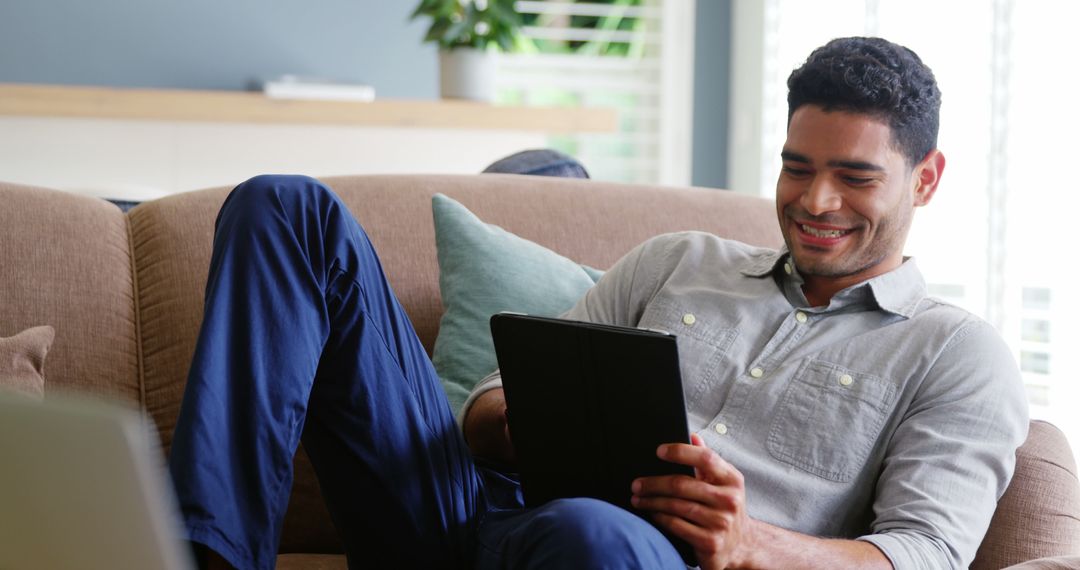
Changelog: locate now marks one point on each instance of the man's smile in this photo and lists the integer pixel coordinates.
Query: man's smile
(816, 234)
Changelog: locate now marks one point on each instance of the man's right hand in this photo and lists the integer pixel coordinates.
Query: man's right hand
(486, 429)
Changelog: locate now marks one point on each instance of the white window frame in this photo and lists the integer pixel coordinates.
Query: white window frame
(750, 42)
(677, 99)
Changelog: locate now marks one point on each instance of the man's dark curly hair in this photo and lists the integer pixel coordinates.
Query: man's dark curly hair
(875, 77)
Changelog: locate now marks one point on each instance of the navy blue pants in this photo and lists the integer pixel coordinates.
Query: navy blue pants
(303, 340)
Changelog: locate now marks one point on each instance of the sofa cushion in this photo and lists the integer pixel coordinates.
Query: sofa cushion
(22, 360)
(484, 269)
(67, 263)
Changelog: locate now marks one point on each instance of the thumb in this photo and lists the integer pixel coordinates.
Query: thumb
(697, 440)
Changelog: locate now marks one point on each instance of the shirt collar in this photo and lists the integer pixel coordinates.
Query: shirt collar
(764, 262)
(899, 291)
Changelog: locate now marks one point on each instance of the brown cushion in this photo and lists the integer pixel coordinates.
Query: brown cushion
(1039, 514)
(22, 360)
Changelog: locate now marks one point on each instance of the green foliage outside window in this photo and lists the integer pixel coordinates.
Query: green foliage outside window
(480, 23)
(617, 21)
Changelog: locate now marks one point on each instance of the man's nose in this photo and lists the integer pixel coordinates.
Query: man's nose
(821, 197)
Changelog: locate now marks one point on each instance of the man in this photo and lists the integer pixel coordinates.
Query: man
(842, 418)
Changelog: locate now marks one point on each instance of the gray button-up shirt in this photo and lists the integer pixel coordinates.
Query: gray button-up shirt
(885, 416)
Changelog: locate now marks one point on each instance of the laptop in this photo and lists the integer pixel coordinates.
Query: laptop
(587, 406)
(83, 485)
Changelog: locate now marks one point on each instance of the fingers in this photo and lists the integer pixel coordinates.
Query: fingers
(708, 510)
(687, 489)
(705, 542)
(715, 511)
(710, 466)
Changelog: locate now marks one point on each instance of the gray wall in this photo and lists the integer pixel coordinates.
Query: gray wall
(712, 80)
(225, 44)
(215, 44)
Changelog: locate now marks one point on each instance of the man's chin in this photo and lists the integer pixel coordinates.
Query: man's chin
(831, 267)
(820, 263)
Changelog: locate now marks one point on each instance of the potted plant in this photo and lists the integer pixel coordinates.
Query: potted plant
(465, 31)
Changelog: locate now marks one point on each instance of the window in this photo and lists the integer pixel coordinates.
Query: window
(632, 55)
(1036, 298)
(1036, 362)
(1035, 330)
(994, 238)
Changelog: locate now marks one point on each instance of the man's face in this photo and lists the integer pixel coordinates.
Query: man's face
(845, 197)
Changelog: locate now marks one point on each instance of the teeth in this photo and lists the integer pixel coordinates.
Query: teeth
(822, 233)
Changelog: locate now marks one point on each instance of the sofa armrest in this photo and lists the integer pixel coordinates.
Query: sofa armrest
(1052, 563)
(1039, 514)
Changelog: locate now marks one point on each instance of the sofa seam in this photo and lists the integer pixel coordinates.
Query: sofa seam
(139, 364)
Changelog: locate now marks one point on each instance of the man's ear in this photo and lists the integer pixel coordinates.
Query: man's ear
(927, 175)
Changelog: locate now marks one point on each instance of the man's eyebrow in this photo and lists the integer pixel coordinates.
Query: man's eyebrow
(855, 165)
(848, 164)
(794, 157)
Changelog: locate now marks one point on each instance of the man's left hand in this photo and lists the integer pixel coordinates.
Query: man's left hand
(708, 511)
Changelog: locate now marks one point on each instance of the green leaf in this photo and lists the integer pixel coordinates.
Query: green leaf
(504, 14)
(425, 7)
(437, 31)
(456, 31)
(505, 40)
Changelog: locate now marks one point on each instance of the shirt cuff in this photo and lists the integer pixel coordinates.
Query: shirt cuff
(488, 383)
(911, 550)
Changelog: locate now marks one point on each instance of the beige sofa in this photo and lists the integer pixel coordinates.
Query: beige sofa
(124, 292)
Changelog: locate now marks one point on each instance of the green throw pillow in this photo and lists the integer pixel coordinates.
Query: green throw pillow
(484, 269)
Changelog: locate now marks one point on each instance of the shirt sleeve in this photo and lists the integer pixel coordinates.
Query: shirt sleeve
(610, 301)
(952, 455)
(620, 296)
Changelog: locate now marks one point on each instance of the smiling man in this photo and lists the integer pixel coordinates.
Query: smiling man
(841, 418)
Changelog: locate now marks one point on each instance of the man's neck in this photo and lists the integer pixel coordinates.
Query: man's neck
(819, 294)
(819, 290)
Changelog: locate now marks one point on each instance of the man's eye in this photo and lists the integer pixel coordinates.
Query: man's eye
(858, 180)
(796, 172)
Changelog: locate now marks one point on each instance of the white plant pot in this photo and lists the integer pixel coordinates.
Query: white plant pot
(466, 73)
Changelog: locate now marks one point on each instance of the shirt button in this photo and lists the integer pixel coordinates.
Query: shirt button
(721, 429)
(800, 316)
(757, 372)
(787, 268)
(846, 380)
(689, 319)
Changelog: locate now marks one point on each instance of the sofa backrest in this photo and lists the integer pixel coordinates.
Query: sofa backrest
(66, 262)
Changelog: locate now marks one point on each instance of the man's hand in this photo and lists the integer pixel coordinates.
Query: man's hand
(707, 511)
(486, 429)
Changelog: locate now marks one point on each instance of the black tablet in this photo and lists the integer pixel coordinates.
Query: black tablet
(587, 405)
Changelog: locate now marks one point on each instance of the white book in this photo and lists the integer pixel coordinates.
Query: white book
(294, 87)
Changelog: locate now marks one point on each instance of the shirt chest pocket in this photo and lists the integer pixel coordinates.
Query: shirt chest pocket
(829, 419)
